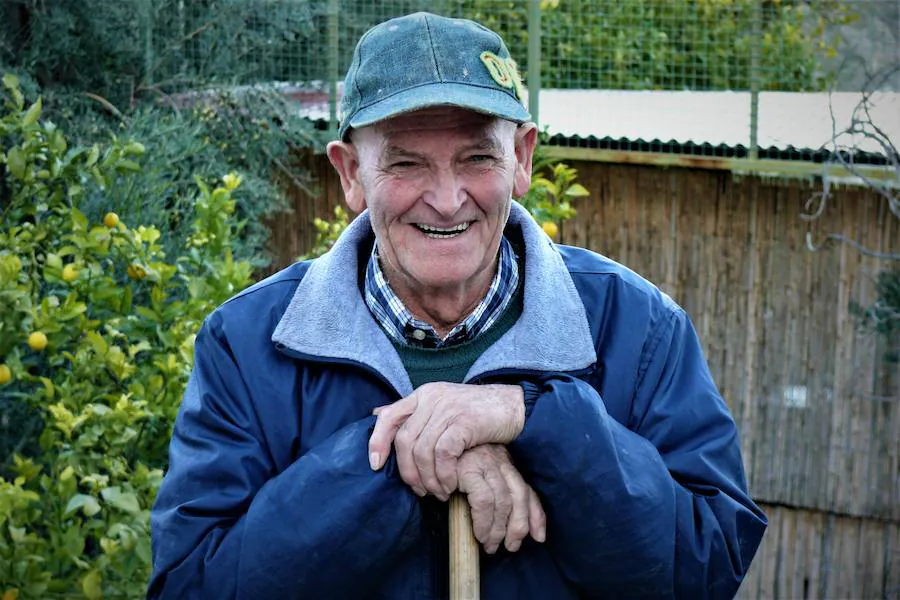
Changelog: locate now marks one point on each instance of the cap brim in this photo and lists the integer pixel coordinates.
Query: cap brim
(484, 100)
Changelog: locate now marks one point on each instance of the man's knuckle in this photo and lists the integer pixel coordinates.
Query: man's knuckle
(447, 448)
(403, 437)
(480, 503)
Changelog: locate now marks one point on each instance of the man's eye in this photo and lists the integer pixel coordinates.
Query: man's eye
(480, 158)
(403, 164)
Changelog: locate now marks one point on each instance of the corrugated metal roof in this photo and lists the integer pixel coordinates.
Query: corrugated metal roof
(790, 125)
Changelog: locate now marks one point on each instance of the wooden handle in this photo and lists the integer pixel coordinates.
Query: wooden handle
(465, 579)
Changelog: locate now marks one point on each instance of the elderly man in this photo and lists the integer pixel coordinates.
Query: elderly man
(446, 344)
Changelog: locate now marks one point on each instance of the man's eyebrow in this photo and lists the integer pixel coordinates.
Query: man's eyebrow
(391, 151)
(488, 144)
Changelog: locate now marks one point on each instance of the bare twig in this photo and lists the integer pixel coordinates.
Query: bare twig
(105, 104)
(837, 237)
(861, 127)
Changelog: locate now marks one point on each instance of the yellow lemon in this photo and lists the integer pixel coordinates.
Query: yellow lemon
(70, 273)
(111, 219)
(550, 228)
(37, 341)
(5, 374)
(136, 272)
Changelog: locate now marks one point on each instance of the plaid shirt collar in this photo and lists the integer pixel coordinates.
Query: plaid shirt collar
(403, 327)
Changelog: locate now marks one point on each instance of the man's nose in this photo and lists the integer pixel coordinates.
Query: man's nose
(447, 194)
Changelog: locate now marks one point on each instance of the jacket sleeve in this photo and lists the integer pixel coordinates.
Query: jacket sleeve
(226, 525)
(656, 509)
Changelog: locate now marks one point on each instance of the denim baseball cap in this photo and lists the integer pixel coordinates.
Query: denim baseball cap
(423, 60)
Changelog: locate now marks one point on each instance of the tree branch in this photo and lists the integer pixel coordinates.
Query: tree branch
(837, 237)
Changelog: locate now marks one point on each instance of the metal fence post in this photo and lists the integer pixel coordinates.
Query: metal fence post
(333, 67)
(534, 58)
(756, 32)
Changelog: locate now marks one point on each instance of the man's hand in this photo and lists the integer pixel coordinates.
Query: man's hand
(433, 426)
(504, 507)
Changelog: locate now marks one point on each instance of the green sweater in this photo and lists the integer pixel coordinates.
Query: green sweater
(451, 364)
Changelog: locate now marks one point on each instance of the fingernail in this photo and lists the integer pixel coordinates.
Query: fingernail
(419, 492)
(540, 535)
(375, 461)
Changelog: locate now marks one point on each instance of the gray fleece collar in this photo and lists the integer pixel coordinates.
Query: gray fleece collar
(328, 318)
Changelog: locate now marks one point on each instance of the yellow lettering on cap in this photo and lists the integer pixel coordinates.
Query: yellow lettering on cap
(517, 79)
(505, 72)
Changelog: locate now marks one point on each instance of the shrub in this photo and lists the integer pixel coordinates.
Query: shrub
(553, 188)
(96, 341)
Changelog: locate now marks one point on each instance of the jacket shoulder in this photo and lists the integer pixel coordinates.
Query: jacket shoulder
(263, 302)
(595, 274)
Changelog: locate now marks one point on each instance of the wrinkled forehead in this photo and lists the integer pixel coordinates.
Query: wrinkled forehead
(438, 123)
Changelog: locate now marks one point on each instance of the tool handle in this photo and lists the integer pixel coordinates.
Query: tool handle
(465, 578)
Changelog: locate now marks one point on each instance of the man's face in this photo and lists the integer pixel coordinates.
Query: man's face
(438, 185)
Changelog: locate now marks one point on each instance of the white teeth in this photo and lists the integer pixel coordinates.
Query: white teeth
(443, 232)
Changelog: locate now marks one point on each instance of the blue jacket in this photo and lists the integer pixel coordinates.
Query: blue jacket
(631, 448)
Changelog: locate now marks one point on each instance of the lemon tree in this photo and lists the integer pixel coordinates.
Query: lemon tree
(554, 187)
(96, 341)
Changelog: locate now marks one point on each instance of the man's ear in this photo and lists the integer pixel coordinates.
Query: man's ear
(526, 140)
(345, 160)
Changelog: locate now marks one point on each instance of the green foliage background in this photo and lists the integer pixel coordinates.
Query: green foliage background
(96, 338)
(669, 45)
(169, 73)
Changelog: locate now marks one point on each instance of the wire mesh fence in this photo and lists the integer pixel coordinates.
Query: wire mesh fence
(600, 45)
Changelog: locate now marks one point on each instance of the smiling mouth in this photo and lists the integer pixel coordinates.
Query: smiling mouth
(442, 233)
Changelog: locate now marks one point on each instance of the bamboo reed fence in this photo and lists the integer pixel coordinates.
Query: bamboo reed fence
(817, 406)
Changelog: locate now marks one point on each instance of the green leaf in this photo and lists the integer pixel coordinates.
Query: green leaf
(91, 507)
(96, 341)
(58, 142)
(147, 313)
(12, 84)
(125, 305)
(125, 501)
(79, 220)
(49, 390)
(73, 541)
(10, 81)
(142, 549)
(15, 162)
(32, 114)
(90, 585)
(17, 534)
(70, 311)
(93, 156)
(75, 502)
(141, 346)
(128, 165)
(576, 190)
